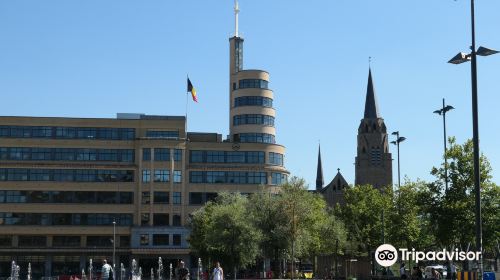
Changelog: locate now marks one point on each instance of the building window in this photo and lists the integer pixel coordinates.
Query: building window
(146, 175)
(145, 219)
(195, 198)
(34, 241)
(162, 175)
(227, 157)
(160, 220)
(276, 159)
(177, 176)
(66, 175)
(162, 134)
(196, 177)
(66, 241)
(278, 178)
(235, 157)
(196, 156)
(160, 239)
(162, 154)
(146, 198)
(177, 198)
(67, 132)
(253, 119)
(144, 239)
(161, 197)
(176, 239)
(215, 177)
(375, 156)
(146, 154)
(255, 138)
(255, 157)
(228, 177)
(176, 220)
(5, 241)
(253, 101)
(257, 178)
(124, 241)
(215, 156)
(253, 83)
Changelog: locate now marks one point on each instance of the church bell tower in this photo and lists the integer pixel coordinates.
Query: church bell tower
(373, 160)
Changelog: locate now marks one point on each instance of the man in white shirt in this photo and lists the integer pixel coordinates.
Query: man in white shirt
(218, 273)
(106, 270)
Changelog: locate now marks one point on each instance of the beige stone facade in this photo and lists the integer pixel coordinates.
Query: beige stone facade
(72, 189)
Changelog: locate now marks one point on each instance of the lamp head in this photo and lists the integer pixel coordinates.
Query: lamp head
(395, 133)
(437, 112)
(401, 139)
(460, 58)
(448, 108)
(482, 51)
(394, 142)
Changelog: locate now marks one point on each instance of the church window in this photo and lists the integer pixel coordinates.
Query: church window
(375, 156)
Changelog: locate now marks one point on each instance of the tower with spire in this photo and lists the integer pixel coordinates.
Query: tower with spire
(251, 111)
(319, 173)
(373, 160)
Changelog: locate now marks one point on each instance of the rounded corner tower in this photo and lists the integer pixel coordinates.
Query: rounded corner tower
(251, 111)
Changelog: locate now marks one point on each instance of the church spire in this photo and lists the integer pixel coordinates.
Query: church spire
(371, 107)
(319, 174)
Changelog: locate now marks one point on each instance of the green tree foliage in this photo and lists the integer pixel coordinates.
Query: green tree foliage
(408, 223)
(224, 231)
(452, 212)
(236, 229)
(305, 218)
(362, 214)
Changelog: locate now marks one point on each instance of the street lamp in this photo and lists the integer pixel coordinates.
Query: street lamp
(114, 244)
(442, 112)
(396, 142)
(460, 58)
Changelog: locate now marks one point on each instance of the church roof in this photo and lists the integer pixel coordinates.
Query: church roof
(338, 182)
(371, 107)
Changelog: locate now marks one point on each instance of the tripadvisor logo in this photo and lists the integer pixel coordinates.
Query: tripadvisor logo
(386, 255)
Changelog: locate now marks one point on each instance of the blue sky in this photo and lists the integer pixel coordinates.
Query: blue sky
(95, 58)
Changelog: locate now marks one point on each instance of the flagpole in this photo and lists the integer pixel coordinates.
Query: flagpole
(185, 123)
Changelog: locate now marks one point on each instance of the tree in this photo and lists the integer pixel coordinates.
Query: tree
(407, 221)
(304, 215)
(225, 231)
(269, 220)
(363, 214)
(453, 211)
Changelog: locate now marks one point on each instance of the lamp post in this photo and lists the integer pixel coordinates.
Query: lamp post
(114, 244)
(461, 58)
(396, 142)
(442, 112)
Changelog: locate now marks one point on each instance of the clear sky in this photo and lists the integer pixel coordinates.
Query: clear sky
(95, 58)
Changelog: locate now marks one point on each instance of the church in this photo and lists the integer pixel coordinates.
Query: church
(373, 162)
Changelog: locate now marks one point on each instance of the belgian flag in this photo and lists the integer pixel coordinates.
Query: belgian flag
(192, 90)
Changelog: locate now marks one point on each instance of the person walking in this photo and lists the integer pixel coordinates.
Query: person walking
(183, 271)
(106, 270)
(435, 274)
(218, 273)
(402, 271)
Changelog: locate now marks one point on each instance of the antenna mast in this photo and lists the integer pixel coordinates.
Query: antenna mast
(236, 11)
